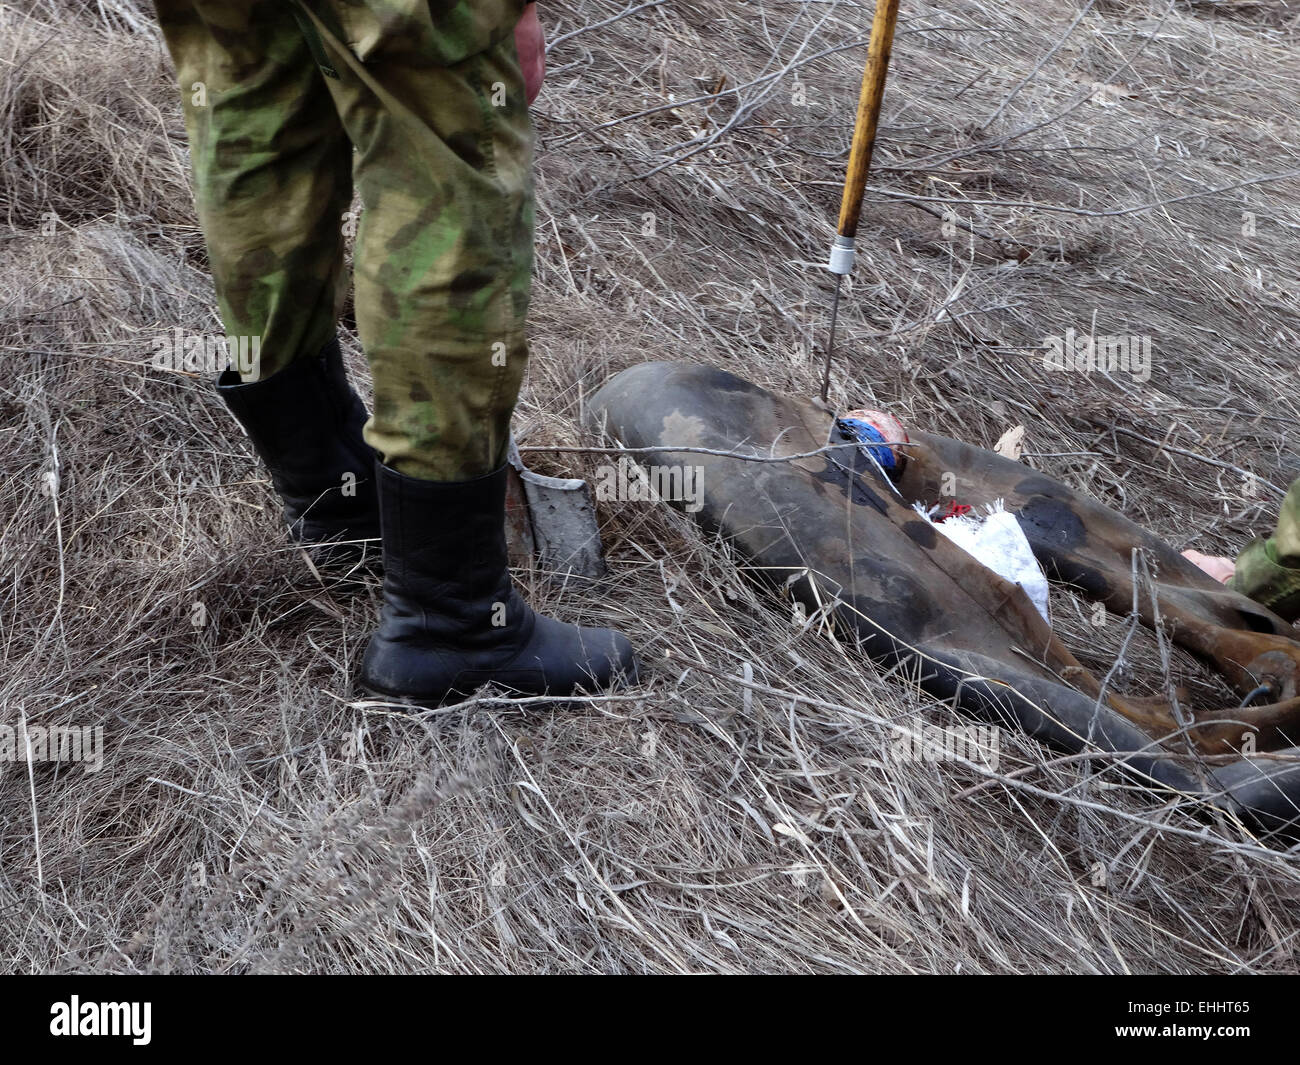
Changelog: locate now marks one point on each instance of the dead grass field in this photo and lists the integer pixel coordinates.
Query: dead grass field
(1131, 174)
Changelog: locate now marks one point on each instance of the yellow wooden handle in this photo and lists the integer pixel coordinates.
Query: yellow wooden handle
(864, 129)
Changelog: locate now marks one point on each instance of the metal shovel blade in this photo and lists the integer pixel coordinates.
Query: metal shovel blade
(552, 518)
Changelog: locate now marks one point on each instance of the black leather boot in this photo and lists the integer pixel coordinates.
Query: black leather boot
(305, 424)
(451, 620)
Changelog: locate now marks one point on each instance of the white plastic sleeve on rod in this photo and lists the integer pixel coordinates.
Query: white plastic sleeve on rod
(841, 255)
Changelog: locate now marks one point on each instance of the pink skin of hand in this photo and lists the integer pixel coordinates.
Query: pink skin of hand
(530, 42)
(1218, 567)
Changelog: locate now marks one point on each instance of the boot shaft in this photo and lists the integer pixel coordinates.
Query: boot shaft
(305, 423)
(444, 543)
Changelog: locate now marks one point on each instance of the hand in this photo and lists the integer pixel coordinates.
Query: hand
(530, 42)
(1218, 567)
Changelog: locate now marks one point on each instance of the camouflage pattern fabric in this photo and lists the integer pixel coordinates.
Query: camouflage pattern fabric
(422, 104)
(1268, 570)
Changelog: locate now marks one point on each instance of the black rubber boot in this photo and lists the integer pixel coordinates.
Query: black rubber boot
(451, 620)
(305, 424)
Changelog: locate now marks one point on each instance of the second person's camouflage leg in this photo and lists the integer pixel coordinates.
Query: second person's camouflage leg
(1268, 570)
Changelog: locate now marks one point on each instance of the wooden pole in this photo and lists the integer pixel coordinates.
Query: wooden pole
(864, 130)
(864, 141)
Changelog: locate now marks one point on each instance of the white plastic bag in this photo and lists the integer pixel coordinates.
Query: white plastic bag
(997, 542)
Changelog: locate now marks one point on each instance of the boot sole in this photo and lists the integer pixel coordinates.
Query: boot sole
(540, 700)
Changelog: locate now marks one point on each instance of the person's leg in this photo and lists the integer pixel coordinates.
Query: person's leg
(433, 99)
(434, 103)
(1268, 570)
(272, 178)
(272, 171)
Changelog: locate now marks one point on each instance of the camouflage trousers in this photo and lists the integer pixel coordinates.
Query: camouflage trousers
(1268, 570)
(422, 104)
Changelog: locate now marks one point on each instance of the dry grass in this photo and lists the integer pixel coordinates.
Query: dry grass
(743, 811)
